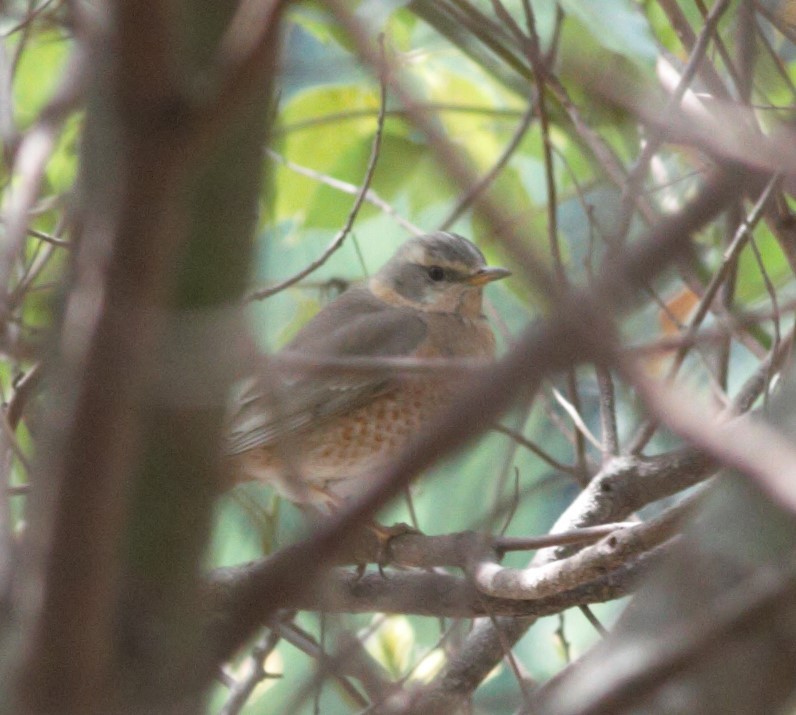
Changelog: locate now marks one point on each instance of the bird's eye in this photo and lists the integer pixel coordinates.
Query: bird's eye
(436, 273)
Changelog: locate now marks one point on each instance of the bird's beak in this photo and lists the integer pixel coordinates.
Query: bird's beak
(487, 275)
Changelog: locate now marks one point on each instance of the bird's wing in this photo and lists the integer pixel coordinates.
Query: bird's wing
(355, 325)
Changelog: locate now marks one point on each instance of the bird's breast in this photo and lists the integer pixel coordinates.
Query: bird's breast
(454, 336)
(339, 457)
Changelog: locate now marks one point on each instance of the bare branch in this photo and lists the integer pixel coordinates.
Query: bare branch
(585, 566)
(420, 593)
(732, 443)
(337, 241)
(736, 610)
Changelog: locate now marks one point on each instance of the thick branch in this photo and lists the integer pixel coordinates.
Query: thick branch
(586, 565)
(419, 593)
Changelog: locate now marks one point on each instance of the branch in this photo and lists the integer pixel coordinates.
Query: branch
(577, 330)
(122, 501)
(739, 610)
(241, 690)
(600, 500)
(584, 566)
(30, 162)
(418, 593)
(575, 334)
(347, 188)
(23, 390)
(472, 193)
(337, 241)
(734, 444)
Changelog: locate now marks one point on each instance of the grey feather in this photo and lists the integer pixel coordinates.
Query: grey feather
(357, 324)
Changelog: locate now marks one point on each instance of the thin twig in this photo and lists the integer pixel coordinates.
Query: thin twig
(337, 667)
(504, 544)
(777, 21)
(774, 303)
(337, 241)
(535, 448)
(610, 433)
(31, 158)
(533, 52)
(347, 188)
(49, 238)
(633, 186)
(619, 547)
(727, 326)
(476, 189)
(741, 608)
(740, 240)
(23, 388)
(595, 622)
(532, 49)
(353, 114)
(13, 443)
(241, 690)
(577, 419)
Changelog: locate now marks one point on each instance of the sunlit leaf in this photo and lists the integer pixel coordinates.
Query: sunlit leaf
(40, 67)
(618, 25)
(391, 643)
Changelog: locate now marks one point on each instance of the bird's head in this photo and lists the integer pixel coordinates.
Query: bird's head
(438, 272)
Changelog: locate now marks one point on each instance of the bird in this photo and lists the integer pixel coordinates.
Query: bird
(319, 437)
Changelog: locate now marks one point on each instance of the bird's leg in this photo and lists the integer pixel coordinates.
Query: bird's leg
(324, 496)
(384, 534)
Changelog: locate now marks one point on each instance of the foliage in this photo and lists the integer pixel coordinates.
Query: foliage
(573, 114)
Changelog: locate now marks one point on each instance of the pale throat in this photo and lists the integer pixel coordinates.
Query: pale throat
(471, 303)
(467, 302)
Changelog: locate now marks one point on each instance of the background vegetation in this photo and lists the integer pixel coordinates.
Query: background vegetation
(184, 181)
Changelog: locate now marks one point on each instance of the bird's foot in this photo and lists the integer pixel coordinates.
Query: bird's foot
(384, 536)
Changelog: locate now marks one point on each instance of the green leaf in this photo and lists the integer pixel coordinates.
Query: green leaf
(751, 284)
(392, 643)
(39, 69)
(617, 25)
(486, 48)
(62, 167)
(376, 13)
(329, 208)
(320, 146)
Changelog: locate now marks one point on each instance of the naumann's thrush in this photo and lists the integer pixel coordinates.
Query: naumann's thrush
(335, 429)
